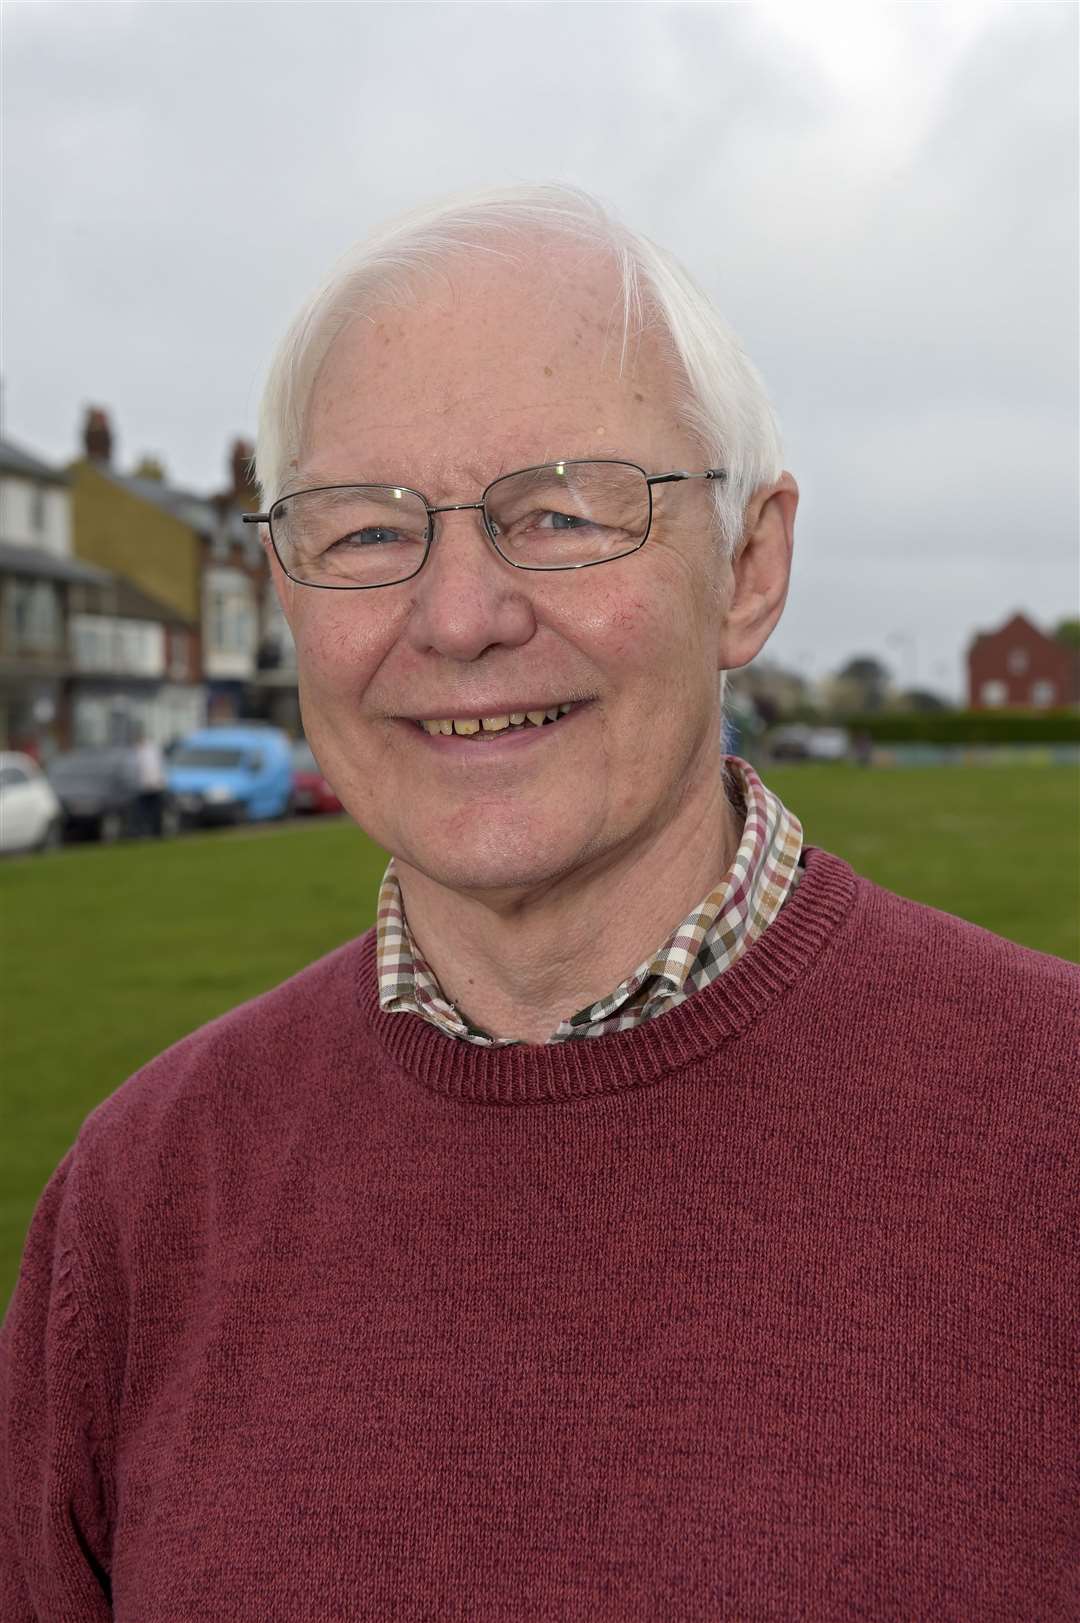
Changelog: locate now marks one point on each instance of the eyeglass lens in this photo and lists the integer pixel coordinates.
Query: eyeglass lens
(555, 517)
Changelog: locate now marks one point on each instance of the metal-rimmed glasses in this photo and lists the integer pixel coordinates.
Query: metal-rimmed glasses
(560, 515)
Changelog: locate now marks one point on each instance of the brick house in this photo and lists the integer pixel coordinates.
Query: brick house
(84, 654)
(184, 549)
(1020, 667)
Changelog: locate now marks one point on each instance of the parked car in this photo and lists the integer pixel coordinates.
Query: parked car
(797, 742)
(30, 814)
(311, 792)
(233, 774)
(829, 744)
(791, 743)
(99, 792)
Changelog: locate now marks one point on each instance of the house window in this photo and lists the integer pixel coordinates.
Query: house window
(141, 647)
(241, 630)
(993, 693)
(1018, 661)
(37, 509)
(232, 629)
(36, 616)
(1043, 694)
(91, 638)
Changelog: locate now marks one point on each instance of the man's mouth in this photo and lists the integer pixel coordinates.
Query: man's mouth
(482, 728)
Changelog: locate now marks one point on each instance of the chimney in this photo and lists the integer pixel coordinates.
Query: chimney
(97, 435)
(242, 467)
(152, 468)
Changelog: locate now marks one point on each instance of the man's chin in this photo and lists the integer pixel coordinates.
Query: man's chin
(497, 871)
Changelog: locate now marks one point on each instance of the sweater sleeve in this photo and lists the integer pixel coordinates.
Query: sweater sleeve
(54, 1521)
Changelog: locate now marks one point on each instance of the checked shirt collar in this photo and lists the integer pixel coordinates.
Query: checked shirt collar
(708, 941)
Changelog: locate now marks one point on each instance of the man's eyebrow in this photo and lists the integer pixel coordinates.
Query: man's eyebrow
(295, 482)
(477, 476)
(298, 482)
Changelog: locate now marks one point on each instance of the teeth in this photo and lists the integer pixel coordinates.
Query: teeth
(468, 726)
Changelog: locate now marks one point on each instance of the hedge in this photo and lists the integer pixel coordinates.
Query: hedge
(969, 726)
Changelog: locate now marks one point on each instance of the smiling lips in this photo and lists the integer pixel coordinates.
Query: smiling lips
(470, 726)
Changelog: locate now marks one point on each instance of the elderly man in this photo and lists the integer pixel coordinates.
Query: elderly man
(651, 1220)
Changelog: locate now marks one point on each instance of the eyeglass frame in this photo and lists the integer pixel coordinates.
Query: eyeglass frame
(717, 474)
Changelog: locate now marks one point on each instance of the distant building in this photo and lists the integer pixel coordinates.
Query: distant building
(35, 656)
(34, 573)
(84, 655)
(1020, 667)
(134, 665)
(35, 503)
(135, 527)
(187, 550)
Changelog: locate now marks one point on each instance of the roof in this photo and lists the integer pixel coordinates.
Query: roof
(1015, 624)
(15, 460)
(15, 560)
(182, 504)
(200, 513)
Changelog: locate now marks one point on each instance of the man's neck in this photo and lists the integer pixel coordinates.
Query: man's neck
(517, 966)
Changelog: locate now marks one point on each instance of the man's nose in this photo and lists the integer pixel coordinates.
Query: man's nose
(466, 598)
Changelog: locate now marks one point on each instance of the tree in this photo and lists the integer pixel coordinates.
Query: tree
(923, 700)
(1068, 632)
(863, 683)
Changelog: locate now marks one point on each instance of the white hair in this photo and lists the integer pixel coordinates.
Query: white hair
(722, 401)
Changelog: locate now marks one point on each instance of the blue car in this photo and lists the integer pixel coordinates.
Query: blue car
(235, 774)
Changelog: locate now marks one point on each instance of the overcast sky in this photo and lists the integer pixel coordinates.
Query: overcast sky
(881, 200)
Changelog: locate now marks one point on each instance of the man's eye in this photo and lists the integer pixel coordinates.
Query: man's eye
(374, 536)
(562, 521)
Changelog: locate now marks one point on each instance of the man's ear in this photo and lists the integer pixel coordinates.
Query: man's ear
(759, 573)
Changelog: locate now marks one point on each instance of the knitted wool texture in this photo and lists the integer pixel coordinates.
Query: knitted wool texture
(764, 1311)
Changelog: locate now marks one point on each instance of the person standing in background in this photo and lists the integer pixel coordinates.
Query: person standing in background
(149, 768)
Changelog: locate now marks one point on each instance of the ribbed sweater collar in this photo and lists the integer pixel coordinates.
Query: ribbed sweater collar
(533, 1073)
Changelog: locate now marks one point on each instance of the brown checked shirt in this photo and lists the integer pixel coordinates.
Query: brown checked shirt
(708, 941)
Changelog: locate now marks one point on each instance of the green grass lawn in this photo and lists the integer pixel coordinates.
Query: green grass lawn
(111, 954)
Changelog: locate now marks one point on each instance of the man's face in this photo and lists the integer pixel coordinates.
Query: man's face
(494, 368)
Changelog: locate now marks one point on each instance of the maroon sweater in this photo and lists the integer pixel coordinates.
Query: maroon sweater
(766, 1310)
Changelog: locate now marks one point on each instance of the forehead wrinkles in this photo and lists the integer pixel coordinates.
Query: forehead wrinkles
(442, 466)
(484, 371)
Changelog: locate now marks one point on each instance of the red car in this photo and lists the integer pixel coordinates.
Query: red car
(311, 792)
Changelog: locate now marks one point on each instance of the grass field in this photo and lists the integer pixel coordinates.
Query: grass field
(111, 954)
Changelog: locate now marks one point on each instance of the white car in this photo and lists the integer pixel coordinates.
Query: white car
(30, 814)
(828, 744)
